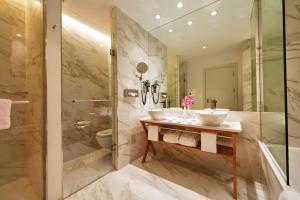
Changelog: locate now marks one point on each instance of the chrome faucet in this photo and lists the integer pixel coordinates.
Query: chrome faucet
(212, 102)
(165, 103)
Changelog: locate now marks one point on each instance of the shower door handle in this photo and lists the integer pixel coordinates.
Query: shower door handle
(11, 92)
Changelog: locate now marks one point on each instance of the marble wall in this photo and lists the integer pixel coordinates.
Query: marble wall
(22, 71)
(131, 45)
(173, 78)
(13, 78)
(247, 80)
(85, 75)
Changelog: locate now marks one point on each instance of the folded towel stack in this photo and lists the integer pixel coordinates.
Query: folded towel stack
(190, 140)
(5, 109)
(171, 137)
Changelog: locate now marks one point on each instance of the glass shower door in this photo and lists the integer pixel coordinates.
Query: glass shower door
(86, 94)
(273, 97)
(22, 81)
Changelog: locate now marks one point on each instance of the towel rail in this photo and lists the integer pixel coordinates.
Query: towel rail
(20, 102)
(91, 100)
(11, 92)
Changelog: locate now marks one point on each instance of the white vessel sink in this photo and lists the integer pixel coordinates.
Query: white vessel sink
(217, 109)
(211, 117)
(158, 114)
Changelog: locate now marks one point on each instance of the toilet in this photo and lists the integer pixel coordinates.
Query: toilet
(104, 138)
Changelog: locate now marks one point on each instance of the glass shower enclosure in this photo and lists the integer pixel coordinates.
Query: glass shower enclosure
(22, 79)
(86, 93)
(280, 85)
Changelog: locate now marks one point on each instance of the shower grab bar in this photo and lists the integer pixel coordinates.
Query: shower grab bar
(20, 102)
(10, 92)
(91, 100)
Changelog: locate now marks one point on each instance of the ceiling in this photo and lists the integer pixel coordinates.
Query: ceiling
(226, 30)
(97, 12)
(229, 28)
(144, 11)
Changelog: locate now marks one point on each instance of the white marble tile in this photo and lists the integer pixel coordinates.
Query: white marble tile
(19, 189)
(83, 170)
(164, 180)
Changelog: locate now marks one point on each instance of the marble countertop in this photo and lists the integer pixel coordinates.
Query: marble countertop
(227, 126)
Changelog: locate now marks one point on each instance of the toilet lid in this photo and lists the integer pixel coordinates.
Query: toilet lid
(104, 133)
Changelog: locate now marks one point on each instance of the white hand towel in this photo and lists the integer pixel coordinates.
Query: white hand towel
(209, 142)
(5, 109)
(188, 139)
(153, 133)
(171, 137)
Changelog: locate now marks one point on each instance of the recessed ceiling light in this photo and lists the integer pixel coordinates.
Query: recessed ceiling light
(157, 16)
(170, 30)
(38, 3)
(190, 23)
(179, 5)
(204, 47)
(19, 35)
(213, 13)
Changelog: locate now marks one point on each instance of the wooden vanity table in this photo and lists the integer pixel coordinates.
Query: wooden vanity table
(228, 130)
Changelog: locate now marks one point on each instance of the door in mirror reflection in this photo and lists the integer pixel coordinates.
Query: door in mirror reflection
(220, 84)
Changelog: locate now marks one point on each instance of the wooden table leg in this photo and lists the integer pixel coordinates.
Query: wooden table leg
(146, 151)
(152, 147)
(149, 143)
(234, 167)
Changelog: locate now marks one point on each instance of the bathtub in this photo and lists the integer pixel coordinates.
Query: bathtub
(294, 162)
(276, 178)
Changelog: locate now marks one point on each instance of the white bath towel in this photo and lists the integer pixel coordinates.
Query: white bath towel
(5, 110)
(209, 142)
(188, 139)
(171, 137)
(289, 195)
(153, 133)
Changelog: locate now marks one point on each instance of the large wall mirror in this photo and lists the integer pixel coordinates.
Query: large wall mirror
(211, 56)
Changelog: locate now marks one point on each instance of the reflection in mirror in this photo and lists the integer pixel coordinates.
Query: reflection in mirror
(212, 57)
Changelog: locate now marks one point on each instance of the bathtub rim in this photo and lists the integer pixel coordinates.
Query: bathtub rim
(279, 174)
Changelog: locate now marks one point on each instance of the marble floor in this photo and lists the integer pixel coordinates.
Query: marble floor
(165, 180)
(85, 169)
(19, 189)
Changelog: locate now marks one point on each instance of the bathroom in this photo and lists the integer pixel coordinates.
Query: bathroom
(148, 99)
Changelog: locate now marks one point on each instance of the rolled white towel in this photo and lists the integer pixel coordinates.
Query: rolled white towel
(188, 139)
(5, 110)
(171, 137)
(289, 195)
